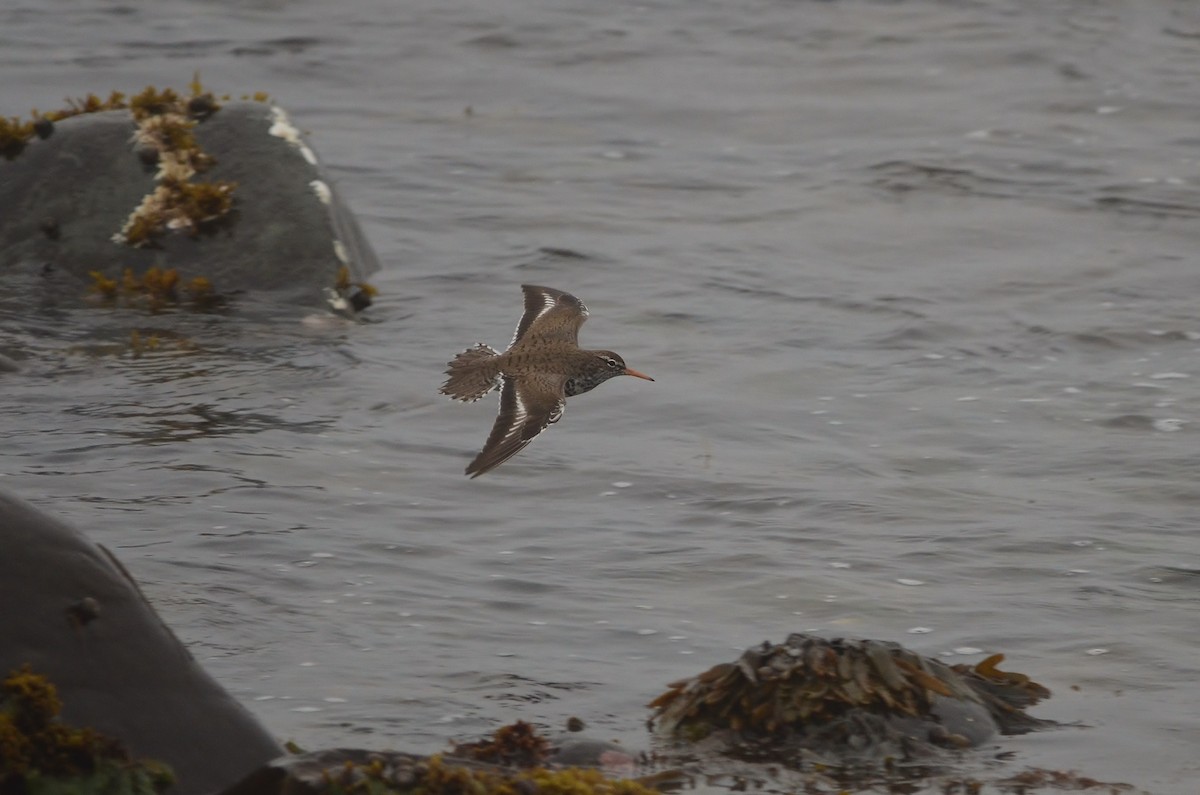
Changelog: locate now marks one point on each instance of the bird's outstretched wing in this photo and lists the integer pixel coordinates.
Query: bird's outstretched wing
(527, 406)
(550, 315)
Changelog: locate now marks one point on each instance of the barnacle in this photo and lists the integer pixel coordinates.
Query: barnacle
(178, 205)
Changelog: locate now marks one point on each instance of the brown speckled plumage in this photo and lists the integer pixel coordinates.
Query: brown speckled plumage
(542, 367)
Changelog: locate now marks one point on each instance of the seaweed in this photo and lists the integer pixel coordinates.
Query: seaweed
(1040, 778)
(178, 205)
(437, 777)
(14, 134)
(155, 289)
(809, 685)
(516, 745)
(166, 121)
(349, 295)
(165, 133)
(152, 102)
(40, 753)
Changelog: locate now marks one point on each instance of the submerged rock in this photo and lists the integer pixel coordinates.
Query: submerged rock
(845, 699)
(72, 613)
(231, 194)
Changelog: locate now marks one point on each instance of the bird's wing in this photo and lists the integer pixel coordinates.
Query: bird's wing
(527, 406)
(550, 315)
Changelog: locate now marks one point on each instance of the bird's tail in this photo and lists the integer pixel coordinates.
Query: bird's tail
(472, 374)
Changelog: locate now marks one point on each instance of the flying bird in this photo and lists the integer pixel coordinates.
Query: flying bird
(542, 367)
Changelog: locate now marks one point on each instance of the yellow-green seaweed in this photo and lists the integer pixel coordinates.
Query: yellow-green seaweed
(14, 134)
(180, 205)
(154, 289)
(166, 122)
(438, 777)
(39, 753)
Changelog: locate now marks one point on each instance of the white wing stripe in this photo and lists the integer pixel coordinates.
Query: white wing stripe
(548, 302)
(520, 413)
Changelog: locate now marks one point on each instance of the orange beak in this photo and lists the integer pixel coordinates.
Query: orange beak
(636, 374)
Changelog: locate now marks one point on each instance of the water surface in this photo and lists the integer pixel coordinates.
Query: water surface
(916, 281)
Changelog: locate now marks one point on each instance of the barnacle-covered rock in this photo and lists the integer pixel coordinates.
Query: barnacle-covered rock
(846, 697)
(224, 190)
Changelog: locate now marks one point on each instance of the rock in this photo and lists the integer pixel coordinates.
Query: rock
(73, 614)
(41, 753)
(233, 195)
(520, 745)
(338, 771)
(845, 700)
(588, 752)
(310, 773)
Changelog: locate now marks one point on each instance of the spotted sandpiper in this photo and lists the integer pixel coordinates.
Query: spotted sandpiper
(542, 367)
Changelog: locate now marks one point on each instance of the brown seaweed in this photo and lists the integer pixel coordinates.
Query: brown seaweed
(806, 685)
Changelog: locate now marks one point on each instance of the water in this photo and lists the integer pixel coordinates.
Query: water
(917, 281)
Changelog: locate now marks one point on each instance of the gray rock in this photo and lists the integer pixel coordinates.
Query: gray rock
(66, 196)
(73, 613)
(335, 769)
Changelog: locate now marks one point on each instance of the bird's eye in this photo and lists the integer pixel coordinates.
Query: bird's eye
(612, 363)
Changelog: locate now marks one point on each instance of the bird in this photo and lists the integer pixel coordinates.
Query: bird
(542, 367)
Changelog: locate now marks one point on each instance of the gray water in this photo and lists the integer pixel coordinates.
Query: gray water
(917, 282)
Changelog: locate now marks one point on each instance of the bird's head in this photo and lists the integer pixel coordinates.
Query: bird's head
(604, 365)
(611, 364)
